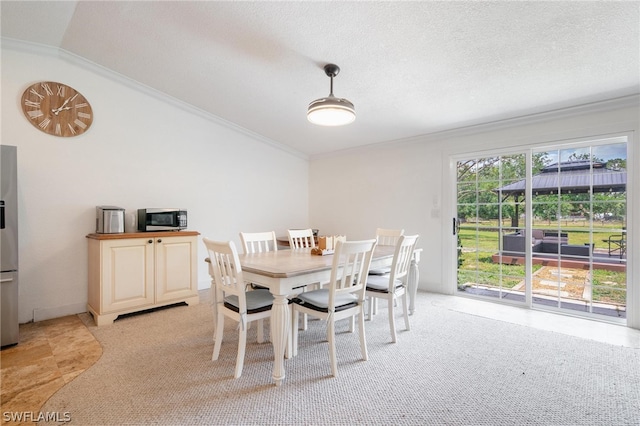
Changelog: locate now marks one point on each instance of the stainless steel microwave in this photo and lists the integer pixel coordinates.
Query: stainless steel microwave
(161, 219)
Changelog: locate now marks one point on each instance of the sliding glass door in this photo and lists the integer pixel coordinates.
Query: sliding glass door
(485, 217)
(579, 209)
(545, 228)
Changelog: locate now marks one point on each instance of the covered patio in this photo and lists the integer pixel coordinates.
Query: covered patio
(549, 247)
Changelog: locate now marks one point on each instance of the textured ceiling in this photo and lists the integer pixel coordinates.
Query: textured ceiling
(410, 68)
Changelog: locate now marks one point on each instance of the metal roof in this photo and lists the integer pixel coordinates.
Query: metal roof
(572, 178)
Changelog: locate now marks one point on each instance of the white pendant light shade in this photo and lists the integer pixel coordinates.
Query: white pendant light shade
(331, 111)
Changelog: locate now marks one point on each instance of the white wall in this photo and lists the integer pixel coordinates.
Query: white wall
(145, 151)
(141, 151)
(409, 184)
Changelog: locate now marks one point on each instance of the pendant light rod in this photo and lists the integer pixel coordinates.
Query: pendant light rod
(331, 70)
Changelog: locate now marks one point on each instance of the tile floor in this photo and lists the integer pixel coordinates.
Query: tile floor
(614, 334)
(51, 353)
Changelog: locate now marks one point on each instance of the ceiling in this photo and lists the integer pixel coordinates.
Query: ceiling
(410, 68)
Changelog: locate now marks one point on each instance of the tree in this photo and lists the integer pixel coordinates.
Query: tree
(478, 180)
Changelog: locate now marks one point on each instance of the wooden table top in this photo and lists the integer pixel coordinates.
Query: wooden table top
(291, 263)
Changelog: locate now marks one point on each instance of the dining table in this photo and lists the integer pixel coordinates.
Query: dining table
(286, 272)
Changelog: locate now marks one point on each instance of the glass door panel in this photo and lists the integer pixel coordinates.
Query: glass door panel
(489, 216)
(579, 210)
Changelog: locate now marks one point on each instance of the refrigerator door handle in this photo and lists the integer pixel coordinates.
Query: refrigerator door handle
(1, 214)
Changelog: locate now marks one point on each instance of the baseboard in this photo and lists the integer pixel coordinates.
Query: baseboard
(42, 314)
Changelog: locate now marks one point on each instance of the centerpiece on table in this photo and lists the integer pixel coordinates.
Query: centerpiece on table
(327, 244)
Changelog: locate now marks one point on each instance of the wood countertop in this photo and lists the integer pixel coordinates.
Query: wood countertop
(166, 234)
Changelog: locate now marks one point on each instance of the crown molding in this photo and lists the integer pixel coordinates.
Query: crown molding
(612, 104)
(464, 130)
(72, 58)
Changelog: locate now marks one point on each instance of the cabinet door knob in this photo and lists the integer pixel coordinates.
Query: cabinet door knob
(150, 241)
(159, 240)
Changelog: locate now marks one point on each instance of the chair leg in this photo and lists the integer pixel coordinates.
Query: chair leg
(260, 325)
(214, 307)
(288, 349)
(294, 332)
(332, 347)
(305, 320)
(406, 311)
(218, 336)
(392, 320)
(242, 345)
(363, 339)
(370, 308)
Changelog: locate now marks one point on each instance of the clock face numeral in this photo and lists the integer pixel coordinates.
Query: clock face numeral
(44, 123)
(84, 115)
(82, 105)
(73, 131)
(47, 89)
(33, 92)
(32, 104)
(80, 123)
(60, 90)
(35, 114)
(58, 129)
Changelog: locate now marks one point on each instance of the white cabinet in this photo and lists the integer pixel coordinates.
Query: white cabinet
(138, 271)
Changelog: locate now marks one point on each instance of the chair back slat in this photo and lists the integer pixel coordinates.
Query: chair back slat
(351, 263)
(227, 271)
(258, 242)
(301, 238)
(402, 258)
(388, 237)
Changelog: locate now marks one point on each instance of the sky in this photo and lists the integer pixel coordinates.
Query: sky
(604, 152)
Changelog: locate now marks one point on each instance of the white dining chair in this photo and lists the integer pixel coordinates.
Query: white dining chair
(233, 300)
(259, 242)
(386, 237)
(301, 238)
(342, 298)
(393, 285)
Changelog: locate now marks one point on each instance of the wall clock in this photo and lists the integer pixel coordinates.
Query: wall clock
(56, 109)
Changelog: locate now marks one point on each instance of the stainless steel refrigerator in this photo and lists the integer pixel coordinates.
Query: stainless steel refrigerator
(9, 244)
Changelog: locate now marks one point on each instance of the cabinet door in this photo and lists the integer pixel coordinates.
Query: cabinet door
(127, 274)
(176, 268)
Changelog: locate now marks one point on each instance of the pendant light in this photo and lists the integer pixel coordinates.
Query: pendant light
(331, 111)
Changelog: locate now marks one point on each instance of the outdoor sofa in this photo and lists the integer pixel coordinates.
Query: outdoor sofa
(543, 242)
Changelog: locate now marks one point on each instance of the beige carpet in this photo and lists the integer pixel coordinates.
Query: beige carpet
(450, 369)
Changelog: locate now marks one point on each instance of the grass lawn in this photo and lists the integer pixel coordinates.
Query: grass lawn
(480, 241)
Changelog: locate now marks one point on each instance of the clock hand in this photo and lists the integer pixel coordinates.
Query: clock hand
(56, 111)
(62, 107)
